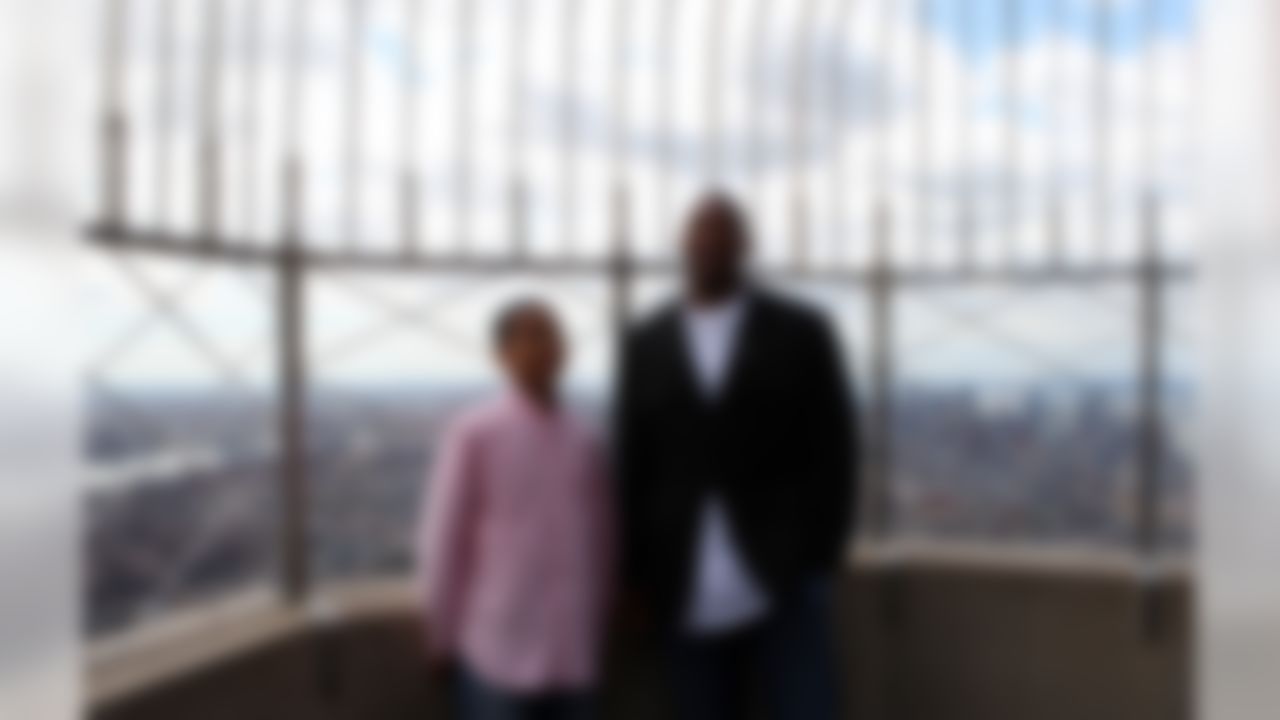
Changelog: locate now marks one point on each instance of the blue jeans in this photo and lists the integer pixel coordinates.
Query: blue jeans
(479, 699)
(785, 664)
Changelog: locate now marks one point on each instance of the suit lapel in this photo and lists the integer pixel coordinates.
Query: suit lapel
(680, 361)
(743, 355)
(745, 350)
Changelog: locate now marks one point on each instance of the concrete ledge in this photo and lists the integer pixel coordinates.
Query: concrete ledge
(928, 631)
(196, 639)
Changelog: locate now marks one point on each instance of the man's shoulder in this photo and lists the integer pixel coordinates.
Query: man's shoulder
(652, 325)
(790, 312)
(777, 308)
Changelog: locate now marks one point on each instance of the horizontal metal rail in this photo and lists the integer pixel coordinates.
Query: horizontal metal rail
(247, 252)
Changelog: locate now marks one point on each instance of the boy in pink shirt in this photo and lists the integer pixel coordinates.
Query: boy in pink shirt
(516, 540)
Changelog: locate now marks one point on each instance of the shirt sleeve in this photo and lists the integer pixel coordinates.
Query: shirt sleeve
(446, 527)
(835, 448)
(630, 458)
(604, 509)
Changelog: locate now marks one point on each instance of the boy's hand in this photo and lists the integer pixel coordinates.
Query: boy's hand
(633, 614)
(440, 667)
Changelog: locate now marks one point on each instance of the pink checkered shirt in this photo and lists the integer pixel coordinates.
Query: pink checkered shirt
(515, 546)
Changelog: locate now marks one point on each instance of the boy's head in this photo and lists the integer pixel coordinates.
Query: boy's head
(529, 345)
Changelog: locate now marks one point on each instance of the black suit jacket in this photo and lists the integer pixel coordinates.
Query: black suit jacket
(778, 445)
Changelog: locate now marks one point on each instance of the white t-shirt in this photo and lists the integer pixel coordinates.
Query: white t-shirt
(723, 594)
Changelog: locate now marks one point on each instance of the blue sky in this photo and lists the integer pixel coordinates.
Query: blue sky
(981, 27)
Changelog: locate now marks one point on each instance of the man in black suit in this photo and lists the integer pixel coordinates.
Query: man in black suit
(736, 462)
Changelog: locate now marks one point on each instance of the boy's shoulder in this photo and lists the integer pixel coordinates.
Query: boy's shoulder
(582, 428)
(477, 418)
(497, 413)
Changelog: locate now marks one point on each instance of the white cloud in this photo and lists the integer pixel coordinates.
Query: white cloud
(931, 151)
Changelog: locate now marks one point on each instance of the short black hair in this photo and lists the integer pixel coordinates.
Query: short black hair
(504, 323)
(721, 206)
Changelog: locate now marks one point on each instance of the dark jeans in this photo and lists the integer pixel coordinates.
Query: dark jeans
(784, 665)
(479, 699)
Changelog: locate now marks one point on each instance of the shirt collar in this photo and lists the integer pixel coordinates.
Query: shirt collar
(521, 403)
(731, 307)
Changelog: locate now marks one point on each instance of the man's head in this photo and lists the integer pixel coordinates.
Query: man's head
(716, 246)
(530, 346)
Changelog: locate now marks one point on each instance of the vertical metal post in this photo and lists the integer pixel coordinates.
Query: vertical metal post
(1056, 229)
(165, 49)
(881, 156)
(758, 154)
(621, 211)
(879, 505)
(410, 215)
(519, 219)
(251, 88)
(114, 178)
(621, 275)
(1056, 220)
(800, 231)
(968, 221)
(291, 176)
(291, 339)
(1151, 430)
(568, 156)
(1014, 196)
(621, 96)
(291, 347)
(410, 221)
(353, 124)
(465, 59)
(925, 144)
(209, 158)
(668, 30)
(837, 202)
(1151, 437)
(714, 49)
(517, 168)
(879, 492)
(1102, 131)
(800, 139)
